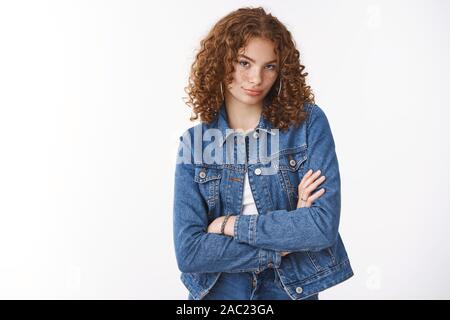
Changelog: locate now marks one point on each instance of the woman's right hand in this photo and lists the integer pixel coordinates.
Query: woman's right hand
(309, 183)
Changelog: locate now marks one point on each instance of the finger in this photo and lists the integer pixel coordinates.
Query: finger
(316, 195)
(303, 194)
(303, 184)
(308, 199)
(314, 185)
(311, 178)
(306, 176)
(303, 189)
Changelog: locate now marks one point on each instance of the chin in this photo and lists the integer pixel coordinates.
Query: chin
(252, 100)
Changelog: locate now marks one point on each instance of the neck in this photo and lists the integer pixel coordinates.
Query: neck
(242, 116)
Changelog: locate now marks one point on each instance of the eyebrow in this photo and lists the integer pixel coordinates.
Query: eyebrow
(242, 55)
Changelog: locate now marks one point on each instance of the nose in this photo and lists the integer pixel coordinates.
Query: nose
(255, 77)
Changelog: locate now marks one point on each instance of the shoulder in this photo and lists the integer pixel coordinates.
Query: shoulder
(315, 117)
(194, 139)
(315, 125)
(200, 127)
(315, 114)
(318, 127)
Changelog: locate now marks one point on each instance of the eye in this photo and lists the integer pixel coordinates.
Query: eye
(242, 62)
(273, 67)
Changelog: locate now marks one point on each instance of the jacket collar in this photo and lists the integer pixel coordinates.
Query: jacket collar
(223, 126)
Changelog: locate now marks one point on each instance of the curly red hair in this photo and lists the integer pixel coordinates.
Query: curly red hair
(214, 64)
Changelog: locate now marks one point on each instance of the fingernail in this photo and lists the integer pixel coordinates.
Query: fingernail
(318, 171)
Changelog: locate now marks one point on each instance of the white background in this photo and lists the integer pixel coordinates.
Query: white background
(91, 109)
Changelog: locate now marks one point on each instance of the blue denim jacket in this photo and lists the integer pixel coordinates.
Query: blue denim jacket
(204, 191)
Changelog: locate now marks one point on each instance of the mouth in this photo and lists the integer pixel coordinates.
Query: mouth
(252, 92)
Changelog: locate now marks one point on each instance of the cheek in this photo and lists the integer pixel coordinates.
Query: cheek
(272, 76)
(241, 76)
(271, 79)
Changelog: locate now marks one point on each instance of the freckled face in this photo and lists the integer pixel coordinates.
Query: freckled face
(256, 70)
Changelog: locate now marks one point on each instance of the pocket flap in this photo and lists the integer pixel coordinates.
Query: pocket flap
(293, 158)
(205, 174)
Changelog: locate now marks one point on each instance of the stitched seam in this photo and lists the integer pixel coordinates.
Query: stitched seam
(322, 273)
(236, 222)
(312, 261)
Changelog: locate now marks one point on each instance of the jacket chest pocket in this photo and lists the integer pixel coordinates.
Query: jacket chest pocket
(291, 170)
(208, 180)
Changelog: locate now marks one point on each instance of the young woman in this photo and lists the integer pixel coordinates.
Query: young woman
(265, 227)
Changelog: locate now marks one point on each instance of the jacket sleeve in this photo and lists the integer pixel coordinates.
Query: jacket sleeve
(309, 228)
(198, 251)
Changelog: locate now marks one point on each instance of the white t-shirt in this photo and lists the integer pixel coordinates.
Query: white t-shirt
(248, 202)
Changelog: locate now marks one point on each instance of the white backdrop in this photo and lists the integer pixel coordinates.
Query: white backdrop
(91, 109)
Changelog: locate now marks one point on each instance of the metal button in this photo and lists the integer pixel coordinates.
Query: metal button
(292, 162)
(270, 265)
(299, 290)
(255, 135)
(202, 174)
(257, 171)
(257, 271)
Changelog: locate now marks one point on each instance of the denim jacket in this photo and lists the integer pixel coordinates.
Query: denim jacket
(204, 191)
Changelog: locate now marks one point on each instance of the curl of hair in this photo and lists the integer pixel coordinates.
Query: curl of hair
(214, 64)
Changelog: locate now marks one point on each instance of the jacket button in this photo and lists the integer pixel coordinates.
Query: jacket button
(202, 174)
(292, 162)
(255, 135)
(270, 265)
(299, 290)
(257, 171)
(257, 272)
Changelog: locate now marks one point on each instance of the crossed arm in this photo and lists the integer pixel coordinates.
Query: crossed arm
(254, 242)
(310, 181)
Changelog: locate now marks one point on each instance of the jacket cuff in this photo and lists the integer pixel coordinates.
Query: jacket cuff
(245, 228)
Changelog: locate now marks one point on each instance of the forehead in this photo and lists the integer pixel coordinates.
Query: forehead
(259, 49)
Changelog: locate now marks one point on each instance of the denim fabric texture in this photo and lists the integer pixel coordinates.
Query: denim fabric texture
(223, 267)
(249, 286)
